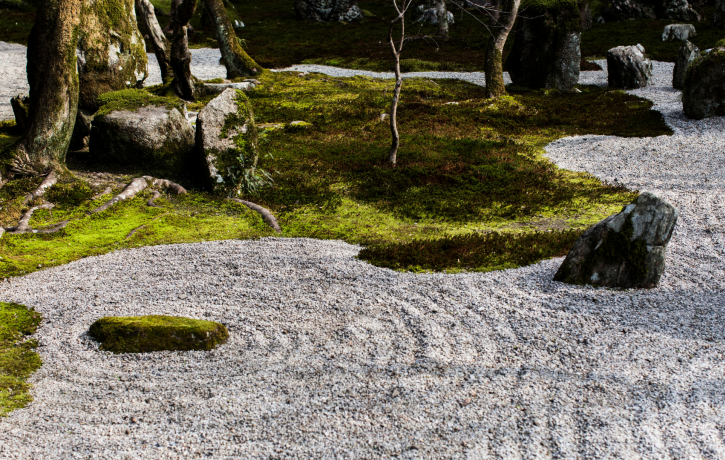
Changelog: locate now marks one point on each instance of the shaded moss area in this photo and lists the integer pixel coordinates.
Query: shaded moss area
(143, 334)
(133, 99)
(18, 360)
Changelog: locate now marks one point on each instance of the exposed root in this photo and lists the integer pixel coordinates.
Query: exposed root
(48, 182)
(132, 232)
(100, 194)
(24, 223)
(266, 215)
(138, 185)
(151, 202)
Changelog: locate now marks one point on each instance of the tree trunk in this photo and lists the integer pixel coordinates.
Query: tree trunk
(494, 56)
(161, 45)
(53, 79)
(184, 87)
(397, 51)
(236, 60)
(442, 13)
(585, 11)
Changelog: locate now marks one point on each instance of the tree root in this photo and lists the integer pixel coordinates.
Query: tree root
(266, 215)
(24, 224)
(152, 201)
(137, 185)
(132, 232)
(48, 182)
(101, 193)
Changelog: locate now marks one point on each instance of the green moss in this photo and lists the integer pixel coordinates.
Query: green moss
(133, 99)
(17, 358)
(143, 334)
(69, 195)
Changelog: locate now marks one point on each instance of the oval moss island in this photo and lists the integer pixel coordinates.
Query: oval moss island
(143, 334)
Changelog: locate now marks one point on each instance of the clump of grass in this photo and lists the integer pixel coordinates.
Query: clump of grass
(471, 252)
(17, 358)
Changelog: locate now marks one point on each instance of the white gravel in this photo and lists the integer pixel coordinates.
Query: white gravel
(330, 357)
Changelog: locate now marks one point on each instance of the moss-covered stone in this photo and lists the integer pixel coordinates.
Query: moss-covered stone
(143, 334)
(111, 50)
(703, 90)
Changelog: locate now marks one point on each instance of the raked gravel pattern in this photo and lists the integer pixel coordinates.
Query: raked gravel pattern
(330, 357)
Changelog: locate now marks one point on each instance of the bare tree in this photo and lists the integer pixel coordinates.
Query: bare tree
(442, 14)
(181, 13)
(493, 67)
(397, 51)
(53, 79)
(147, 16)
(236, 60)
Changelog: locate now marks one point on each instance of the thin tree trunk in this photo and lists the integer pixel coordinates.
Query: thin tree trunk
(393, 155)
(184, 86)
(494, 56)
(53, 78)
(442, 13)
(585, 11)
(147, 15)
(236, 60)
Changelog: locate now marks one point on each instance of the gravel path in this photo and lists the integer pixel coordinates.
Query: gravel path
(330, 357)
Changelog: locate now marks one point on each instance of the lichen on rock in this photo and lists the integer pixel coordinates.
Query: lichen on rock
(703, 88)
(143, 334)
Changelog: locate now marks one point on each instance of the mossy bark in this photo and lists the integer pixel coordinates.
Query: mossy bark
(495, 86)
(111, 50)
(53, 79)
(236, 60)
(182, 11)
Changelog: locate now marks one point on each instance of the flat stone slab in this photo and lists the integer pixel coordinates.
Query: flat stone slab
(142, 334)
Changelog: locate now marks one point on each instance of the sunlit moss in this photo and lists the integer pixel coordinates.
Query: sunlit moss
(17, 358)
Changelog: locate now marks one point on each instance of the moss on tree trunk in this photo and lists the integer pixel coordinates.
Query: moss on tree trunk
(236, 60)
(53, 79)
(494, 57)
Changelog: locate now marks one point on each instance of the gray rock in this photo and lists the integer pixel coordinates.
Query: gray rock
(628, 67)
(218, 88)
(718, 18)
(632, 9)
(430, 16)
(679, 32)
(685, 56)
(703, 90)
(679, 10)
(328, 10)
(21, 106)
(626, 250)
(547, 50)
(155, 136)
(226, 138)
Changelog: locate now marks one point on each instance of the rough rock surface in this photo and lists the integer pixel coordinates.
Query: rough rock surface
(628, 67)
(328, 10)
(144, 334)
(679, 32)
(225, 130)
(679, 10)
(686, 55)
(156, 137)
(430, 16)
(703, 90)
(632, 9)
(111, 50)
(626, 250)
(547, 50)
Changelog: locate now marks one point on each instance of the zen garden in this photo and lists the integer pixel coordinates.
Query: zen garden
(362, 229)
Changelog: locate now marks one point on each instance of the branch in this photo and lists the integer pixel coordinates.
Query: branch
(266, 215)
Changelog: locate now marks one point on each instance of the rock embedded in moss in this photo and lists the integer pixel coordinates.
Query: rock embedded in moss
(626, 250)
(703, 89)
(143, 334)
(547, 50)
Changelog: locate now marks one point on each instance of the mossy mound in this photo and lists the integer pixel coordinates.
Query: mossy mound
(142, 334)
(18, 360)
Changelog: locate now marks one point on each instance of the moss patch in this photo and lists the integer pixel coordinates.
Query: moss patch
(17, 358)
(133, 99)
(143, 334)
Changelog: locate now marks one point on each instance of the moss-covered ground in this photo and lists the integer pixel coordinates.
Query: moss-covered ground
(17, 358)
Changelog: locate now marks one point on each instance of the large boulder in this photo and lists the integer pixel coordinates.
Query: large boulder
(152, 136)
(679, 10)
(628, 67)
(144, 334)
(111, 50)
(547, 49)
(703, 90)
(626, 250)
(678, 32)
(226, 140)
(633, 9)
(686, 55)
(328, 10)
